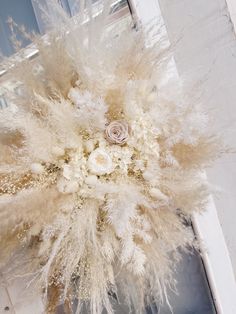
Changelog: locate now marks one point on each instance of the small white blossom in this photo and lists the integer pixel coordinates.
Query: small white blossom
(67, 172)
(139, 165)
(67, 186)
(148, 175)
(144, 138)
(121, 156)
(73, 174)
(72, 171)
(91, 110)
(91, 180)
(36, 168)
(58, 151)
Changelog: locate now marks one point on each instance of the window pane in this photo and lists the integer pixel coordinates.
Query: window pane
(23, 14)
(74, 5)
(194, 296)
(3, 102)
(28, 13)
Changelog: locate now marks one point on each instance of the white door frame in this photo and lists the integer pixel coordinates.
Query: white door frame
(207, 226)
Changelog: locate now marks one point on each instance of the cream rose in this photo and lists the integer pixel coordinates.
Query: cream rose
(117, 132)
(100, 162)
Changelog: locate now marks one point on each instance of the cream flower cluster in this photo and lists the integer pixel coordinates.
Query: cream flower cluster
(118, 148)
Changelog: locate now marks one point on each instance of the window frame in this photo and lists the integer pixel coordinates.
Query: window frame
(207, 228)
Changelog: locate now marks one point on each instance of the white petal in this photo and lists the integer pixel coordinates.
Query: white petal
(67, 187)
(67, 172)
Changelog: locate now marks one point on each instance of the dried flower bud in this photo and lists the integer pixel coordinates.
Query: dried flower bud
(117, 132)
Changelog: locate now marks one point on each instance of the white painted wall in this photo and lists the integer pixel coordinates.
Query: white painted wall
(207, 226)
(207, 50)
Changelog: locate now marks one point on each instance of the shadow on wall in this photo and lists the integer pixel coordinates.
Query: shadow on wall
(193, 291)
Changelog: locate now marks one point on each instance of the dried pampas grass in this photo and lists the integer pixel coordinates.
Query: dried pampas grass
(92, 218)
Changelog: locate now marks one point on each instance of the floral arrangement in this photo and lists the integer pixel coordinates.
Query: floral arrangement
(101, 166)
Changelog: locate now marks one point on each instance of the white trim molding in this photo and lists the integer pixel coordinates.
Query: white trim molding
(216, 259)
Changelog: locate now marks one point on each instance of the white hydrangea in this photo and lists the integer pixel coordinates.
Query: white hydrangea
(73, 174)
(121, 157)
(144, 138)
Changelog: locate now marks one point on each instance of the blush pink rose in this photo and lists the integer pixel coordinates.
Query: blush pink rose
(117, 132)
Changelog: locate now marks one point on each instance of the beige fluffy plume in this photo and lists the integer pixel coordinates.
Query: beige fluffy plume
(102, 158)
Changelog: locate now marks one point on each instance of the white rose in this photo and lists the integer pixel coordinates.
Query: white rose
(100, 162)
